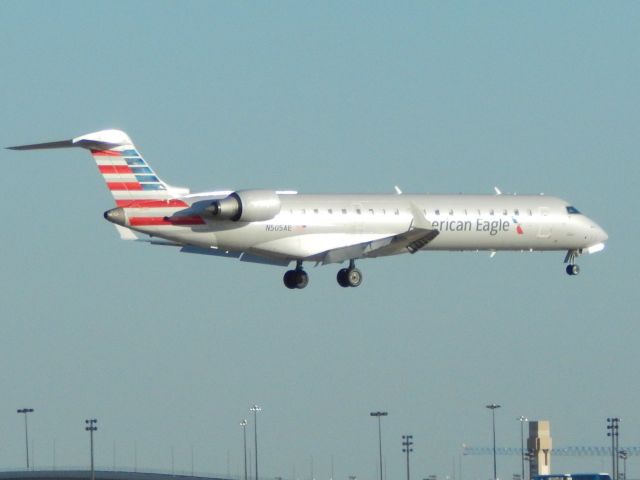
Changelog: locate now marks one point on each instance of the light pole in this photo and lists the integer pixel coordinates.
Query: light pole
(243, 424)
(623, 455)
(612, 426)
(406, 443)
(493, 408)
(25, 411)
(255, 409)
(91, 427)
(522, 420)
(379, 414)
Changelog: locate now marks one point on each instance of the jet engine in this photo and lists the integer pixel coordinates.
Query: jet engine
(246, 206)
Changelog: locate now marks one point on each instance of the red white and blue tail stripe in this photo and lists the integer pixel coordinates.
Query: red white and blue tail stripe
(127, 175)
(144, 198)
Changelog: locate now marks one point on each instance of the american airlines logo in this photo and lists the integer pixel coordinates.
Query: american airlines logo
(519, 229)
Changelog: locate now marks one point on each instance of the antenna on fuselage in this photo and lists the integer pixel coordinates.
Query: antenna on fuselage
(497, 190)
(398, 191)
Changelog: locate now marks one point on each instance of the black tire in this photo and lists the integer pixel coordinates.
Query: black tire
(343, 281)
(289, 279)
(573, 269)
(354, 277)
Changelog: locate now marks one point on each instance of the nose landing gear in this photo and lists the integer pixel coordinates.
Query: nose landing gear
(572, 268)
(349, 277)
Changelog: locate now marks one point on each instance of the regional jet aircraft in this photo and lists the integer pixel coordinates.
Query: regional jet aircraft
(281, 227)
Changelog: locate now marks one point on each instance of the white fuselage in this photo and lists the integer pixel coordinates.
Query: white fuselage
(309, 225)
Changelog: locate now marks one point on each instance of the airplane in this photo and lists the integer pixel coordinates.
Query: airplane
(281, 227)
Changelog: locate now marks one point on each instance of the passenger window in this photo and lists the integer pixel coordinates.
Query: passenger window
(397, 212)
(344, 211)
(371, 211)
(516, 212)
(505, 212)
(315, 210)
(437, 211)
(491, 212)
(358, 211)
(330, 211)
(451, 212)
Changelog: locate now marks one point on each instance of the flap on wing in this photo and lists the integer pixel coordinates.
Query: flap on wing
(411, 241)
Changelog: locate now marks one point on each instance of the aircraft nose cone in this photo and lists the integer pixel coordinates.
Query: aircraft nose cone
(116, 215)
(596, 233)
(601, 235)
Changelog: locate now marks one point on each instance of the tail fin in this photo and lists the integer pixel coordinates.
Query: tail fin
(129, 178)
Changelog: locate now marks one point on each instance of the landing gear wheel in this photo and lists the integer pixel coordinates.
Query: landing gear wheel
(289, 279)
(295, 279)
(573, 269)
(343, 281)
(301, 279)
(354, 277)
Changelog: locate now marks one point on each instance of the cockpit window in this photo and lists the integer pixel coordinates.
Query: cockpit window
(571, 210)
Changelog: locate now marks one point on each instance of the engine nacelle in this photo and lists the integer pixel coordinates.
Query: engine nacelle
(246, 206)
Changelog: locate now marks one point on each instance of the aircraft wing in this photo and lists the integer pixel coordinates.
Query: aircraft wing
(411, 241)
(419, 234)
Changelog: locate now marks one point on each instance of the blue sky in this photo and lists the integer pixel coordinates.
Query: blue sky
(170, 350)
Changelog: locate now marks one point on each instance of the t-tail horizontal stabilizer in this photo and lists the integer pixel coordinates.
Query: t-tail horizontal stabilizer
(102, 140)
(45, 146)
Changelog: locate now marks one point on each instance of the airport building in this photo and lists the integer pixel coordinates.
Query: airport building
(539, 447)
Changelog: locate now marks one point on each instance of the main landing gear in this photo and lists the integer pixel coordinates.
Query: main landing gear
(297, 278)
(572, 268)
(349, 277)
